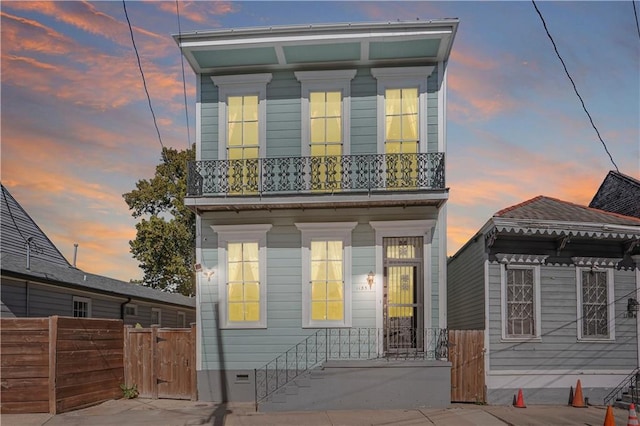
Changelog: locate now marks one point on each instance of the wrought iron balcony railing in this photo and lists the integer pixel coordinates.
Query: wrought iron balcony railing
(349, 344)
(316, 175)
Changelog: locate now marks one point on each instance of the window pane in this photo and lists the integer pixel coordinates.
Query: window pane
(595, 309)
(318, 250)
(252, 292)
(235, 292)
(234, 252)
(252, 312)
(334, 250)
(319, 311)
(334, 130)
(334, 104)
(250, 136)
(392, 101)
(316, 104)
(393, 128)
(334, 290)
(250, 108)
(319, 271)
(520, 297)
(250, 270)
(334, 270)
(335, 311)
(234, 108)
(235, 271)
(334, 150)
(236, 312)
(318, 290)
(235, 154)
(410, 127)
(410, 101)
(318, 128)
(235, 134)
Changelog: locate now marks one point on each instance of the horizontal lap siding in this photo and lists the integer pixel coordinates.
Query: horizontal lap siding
(465, 286)
(559, 348)
(363, 113)
(248, 349)
(14, 296)
(283, 116)
(432, 111)
(208, 119)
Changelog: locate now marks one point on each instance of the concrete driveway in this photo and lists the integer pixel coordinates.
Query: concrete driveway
(165, 412)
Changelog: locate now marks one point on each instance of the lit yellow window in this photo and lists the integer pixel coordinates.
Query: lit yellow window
(242, 143)
(401, 136)
(243, 288)
(327, 282)
(325, 115)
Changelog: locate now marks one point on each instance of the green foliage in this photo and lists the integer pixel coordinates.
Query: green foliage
(129, 392)
(165, 241)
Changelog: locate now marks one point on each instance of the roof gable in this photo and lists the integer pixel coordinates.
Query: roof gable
(618, 193)
(18, 228)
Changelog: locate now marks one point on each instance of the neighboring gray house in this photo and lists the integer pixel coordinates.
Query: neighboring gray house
(618, 193)
(319, 188)
(37, 281)
(549, 282)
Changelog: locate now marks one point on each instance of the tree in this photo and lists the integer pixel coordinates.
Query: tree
(165, 238)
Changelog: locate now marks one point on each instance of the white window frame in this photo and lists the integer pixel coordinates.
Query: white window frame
(81, 299)
(326, 81)
(537, 315)
(181, 319)
(135, 309)
(326, 231)
(242, 85)
(241, 234)
(401, 78)
(611, 320)
(159, 312)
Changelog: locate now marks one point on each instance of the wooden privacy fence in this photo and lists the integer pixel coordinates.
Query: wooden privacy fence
(466, 354)
(160, 362)
(59, 364)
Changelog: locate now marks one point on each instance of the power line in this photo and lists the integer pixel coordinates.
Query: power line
(144, 81)
(635, 13)
(184, 85)
(574, 85)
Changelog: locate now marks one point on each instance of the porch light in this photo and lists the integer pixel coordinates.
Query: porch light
(632, 307)
(370, 278)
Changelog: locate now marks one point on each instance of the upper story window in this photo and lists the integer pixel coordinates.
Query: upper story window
(594, 288)
(402, 109)
(242, 112)
(131, 310)
(520, 289)
(156, 316)
(242, 275)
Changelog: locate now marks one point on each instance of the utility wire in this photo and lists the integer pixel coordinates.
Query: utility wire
(635, 13)
(144, 81)
(184, 85)
(574, 85)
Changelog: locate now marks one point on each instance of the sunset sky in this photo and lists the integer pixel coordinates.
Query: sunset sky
(77, 132)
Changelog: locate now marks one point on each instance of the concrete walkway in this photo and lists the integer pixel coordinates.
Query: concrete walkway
(183, 413)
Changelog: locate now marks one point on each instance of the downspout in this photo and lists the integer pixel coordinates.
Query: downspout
(122, 305)
(27, 299)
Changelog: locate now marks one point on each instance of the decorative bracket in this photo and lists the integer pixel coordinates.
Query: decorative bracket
(629, 246)
(490, 237)
(561, 243)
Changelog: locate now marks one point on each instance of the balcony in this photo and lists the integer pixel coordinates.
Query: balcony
(347, 177)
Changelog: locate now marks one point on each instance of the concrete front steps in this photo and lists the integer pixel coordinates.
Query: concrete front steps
(358, 384)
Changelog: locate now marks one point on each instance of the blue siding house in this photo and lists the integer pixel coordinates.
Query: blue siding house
(554, 286)
(319, 188)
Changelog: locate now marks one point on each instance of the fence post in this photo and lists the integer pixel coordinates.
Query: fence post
(154, 362)
(126, 349)
(193, 360)
(53, 356)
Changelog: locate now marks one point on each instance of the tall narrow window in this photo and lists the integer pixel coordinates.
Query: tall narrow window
(326, 274)
(243, 143)
(242, 275)
(520, 302)
(401, 118)
(243, 287)
(325, 110)
(594, 297)
(327, 281)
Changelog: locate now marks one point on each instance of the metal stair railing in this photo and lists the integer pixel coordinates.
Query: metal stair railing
(629, 383)
(348, 344)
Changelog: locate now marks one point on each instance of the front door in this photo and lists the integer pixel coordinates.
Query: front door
(403, 297)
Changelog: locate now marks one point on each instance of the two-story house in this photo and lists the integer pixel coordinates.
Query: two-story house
(319, 188)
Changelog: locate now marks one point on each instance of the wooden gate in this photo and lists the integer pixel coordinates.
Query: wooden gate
(466, 354)
(161, 362)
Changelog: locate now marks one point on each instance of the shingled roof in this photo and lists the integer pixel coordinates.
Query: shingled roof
(18, 228)
(551, 209)
(48, 265)
(618, 193)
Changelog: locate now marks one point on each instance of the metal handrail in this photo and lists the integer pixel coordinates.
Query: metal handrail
(316, 175)
(628, 383)
(348, 344)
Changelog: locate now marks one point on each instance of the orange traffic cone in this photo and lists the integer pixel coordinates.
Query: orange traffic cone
(578, 400)
(520, 401)
(633, 417)
(609, 420)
